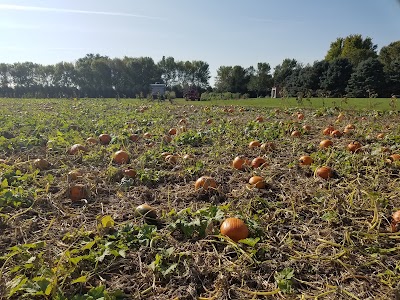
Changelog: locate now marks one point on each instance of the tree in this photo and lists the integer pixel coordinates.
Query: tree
(223, 80)
(390, 58)
(353, 47)
(284, 70)
(169, 71)
(310, 76)
(334, 80)
(260, 80)
(367, 79)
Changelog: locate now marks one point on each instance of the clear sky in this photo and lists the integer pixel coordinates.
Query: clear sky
(220, 32)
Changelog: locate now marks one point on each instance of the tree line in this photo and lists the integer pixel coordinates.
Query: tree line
(352, 67)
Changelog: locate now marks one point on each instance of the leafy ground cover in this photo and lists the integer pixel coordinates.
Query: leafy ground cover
(310, 238)
(311, 103)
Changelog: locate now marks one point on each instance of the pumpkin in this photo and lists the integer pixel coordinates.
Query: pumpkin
(91, 140)
(254, 144)
(354, 146)
(336, 133)
(76, 149)
(147, 135)
(205, 182)
(239, 162)
(258, 162)
(235, 229)
(121, 157)
(129, 173)
(134, 137)
(324, 172)
(350, 126)
(105, 138)
(172, 159)
(77, 192)
(172, 131)
(395, 221)
(300, 116)
(306, 128)
(188, 157)
(267, 146)
(257, 181)
(41, 164)
(147, 212)
(259, 119)
(328, 130)
(74, 175)
(296, 133)
(394, 157)
(305, 160)
(325, 144)
(380, 136)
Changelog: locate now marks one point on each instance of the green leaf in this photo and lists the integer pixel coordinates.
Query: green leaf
(89, 245)
(170, 269)
(16, 284)
(81, 279)
(107, 222)
(250, 241)
(4, 183)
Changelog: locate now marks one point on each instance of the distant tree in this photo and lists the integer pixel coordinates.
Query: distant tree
(223, 80)
(389, 54)
(336, 77)
(367, 79)
(390, 58)
(310, 77)
(283, 71)
(353, 47)
(169, 72)
(260, 80)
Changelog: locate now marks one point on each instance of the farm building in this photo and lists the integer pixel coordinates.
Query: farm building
(157, 90)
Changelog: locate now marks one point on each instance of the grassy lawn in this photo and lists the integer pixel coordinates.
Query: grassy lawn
(352, 103)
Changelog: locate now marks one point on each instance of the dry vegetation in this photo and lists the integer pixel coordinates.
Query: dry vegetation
(310, 238)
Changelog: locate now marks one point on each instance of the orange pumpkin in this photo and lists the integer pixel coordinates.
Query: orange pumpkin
(306, 128)
(41, 164)
(258, 162)
(296, 133)
(354, 146)
(336, 133)
(324, 172)
(257, 181)
(205, 182)
(172, 159)
(134, 137)
(267, 146)
(105, 138)
(121, 157)
(305, 160)
(394, 157)
(172, 131)
(254, 144)
(239, 162)
(76, 149)
(235, 229)
(300, 116)
(129, 173)
(259, 119)
(395, 221)
(328, 130)
(325, 144)
(91, 140)
(74, 175)
(77, 192)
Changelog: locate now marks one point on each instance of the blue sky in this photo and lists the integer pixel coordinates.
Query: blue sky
(220, 32)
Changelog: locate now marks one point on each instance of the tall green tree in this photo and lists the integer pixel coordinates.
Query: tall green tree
(260, 80)
(284, 70)
(367, 79)
(353, 47)
(336, 77)
(390, 58)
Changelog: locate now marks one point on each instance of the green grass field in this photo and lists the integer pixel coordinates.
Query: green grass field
(352, 103)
